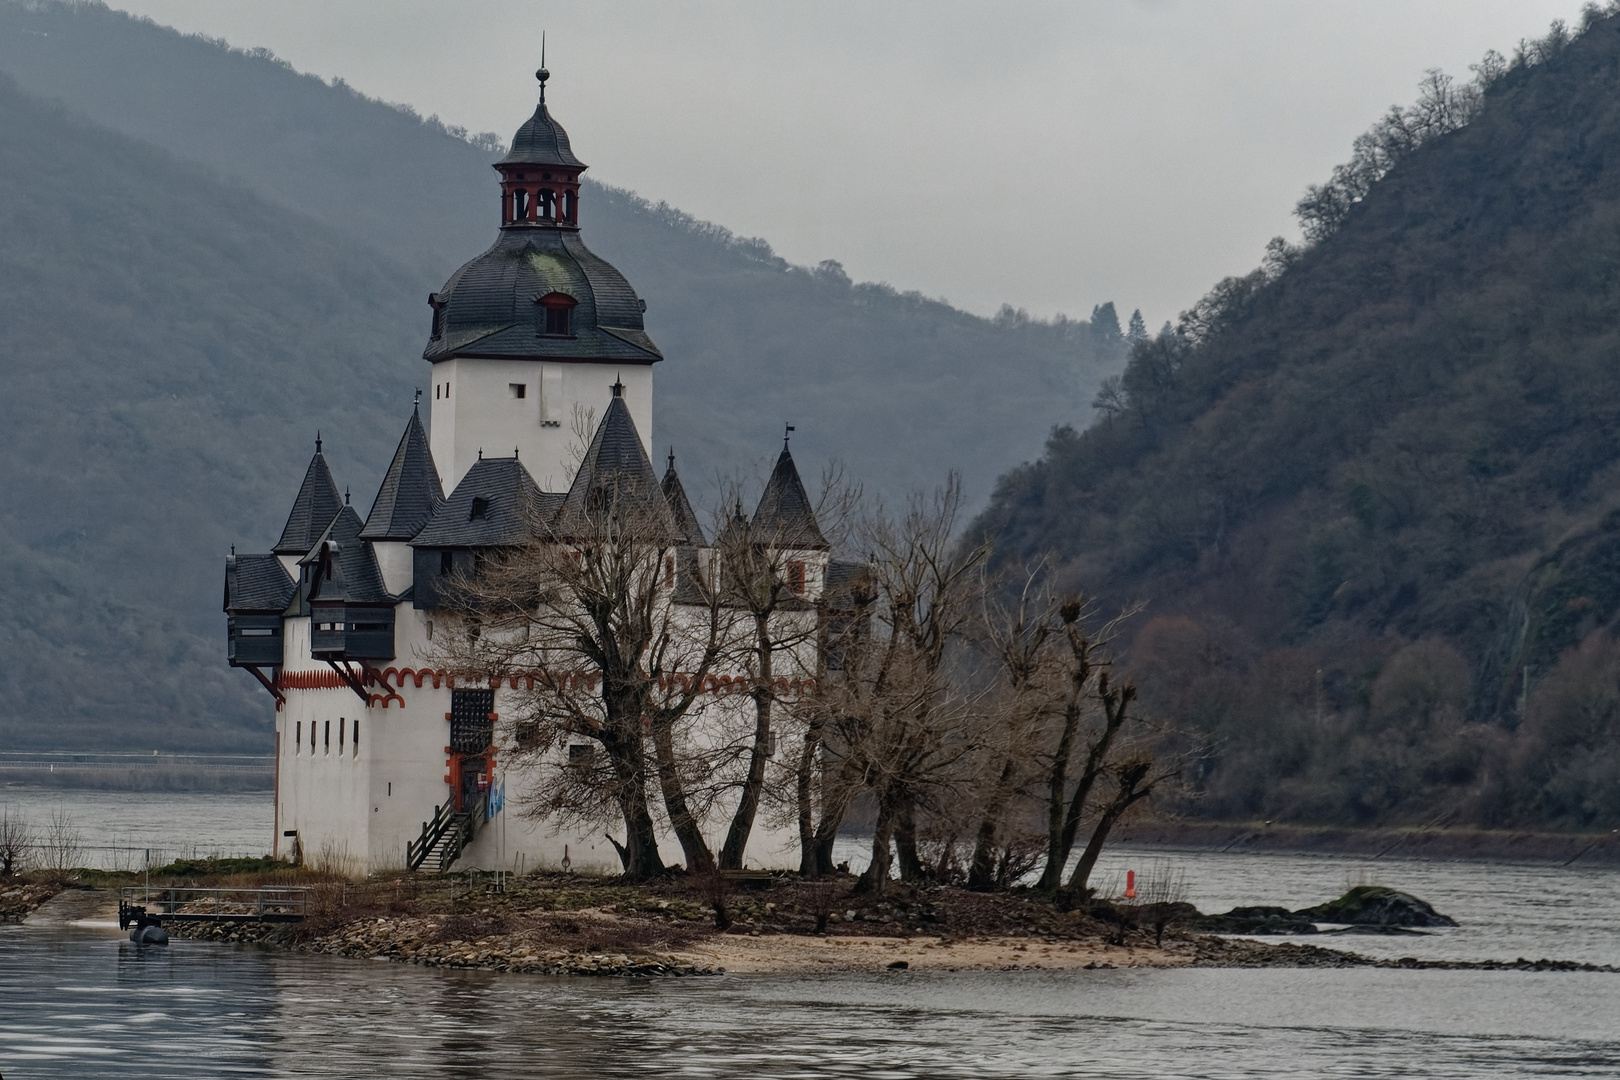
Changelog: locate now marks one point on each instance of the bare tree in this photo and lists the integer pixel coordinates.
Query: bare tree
(1016, 637)
(16, 843)
(57, 847)
(898, 718)
(1088, 683)
(583, 618)
(762, 575)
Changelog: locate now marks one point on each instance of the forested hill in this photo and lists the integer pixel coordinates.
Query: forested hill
(1370, 494)
(206, 257)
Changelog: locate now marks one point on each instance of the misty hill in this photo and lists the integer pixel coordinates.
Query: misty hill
(752, 341)
(1370, 492)
(199, 274)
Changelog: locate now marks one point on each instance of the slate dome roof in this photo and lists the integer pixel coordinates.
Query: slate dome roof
(490, 307)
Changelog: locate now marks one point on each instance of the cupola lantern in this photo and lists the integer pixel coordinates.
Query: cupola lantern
(540, 176)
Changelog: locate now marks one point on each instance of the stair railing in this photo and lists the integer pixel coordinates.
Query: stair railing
(416, 851)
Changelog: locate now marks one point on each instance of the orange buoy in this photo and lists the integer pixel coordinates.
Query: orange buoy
(1130, 884)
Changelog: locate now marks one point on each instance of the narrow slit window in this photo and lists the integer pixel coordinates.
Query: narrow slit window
(355, 743)
(340, 734)
(328, 739)
(446, 564)
(298, 742)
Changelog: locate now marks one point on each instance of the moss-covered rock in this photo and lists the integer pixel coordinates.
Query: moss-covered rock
(1374, 905)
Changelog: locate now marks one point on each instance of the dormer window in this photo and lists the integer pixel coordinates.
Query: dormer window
(557, 314)
(438, 320)
(480, 507)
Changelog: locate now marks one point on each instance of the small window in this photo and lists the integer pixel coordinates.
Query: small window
(446, 564)
(669, 571)
(556, 318)
(327, 742)
(480, 507)
(341, 725)
(580, 753)
(356, 740)
(312, 736)
(298, 744)
(518, 389)
(795, 576)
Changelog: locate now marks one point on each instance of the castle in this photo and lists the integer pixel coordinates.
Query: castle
(383, 758)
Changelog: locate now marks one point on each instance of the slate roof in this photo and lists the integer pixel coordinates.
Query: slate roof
(784, 517)
(686, 522)
(257, 583)
(317, 503)
(489, 307)
(541, 140)
(355, 576)
(616, 470)
(410, 489)
(513, 508)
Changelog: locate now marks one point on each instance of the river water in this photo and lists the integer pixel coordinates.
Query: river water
(80, 1002)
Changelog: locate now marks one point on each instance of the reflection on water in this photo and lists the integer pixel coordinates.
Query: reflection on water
(82, 1004)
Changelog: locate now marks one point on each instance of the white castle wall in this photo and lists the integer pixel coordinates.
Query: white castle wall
(474, 408)
(360, 807)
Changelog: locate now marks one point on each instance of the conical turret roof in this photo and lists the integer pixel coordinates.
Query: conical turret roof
(317, 504)
(680, 507)
(616, 474)
(410, 489)
(784, 517)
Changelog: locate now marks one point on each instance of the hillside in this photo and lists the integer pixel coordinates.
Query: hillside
(1369, 492)
(199, 274)
(158, 338)
(752, 341)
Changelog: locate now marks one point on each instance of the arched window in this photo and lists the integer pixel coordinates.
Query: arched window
(520, 204)
(556, 314)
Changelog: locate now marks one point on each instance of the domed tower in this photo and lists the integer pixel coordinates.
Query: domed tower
(536, 328)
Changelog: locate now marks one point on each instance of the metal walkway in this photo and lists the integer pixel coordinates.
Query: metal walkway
(159, 906)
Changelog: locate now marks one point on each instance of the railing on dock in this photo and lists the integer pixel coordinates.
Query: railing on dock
(212, 905)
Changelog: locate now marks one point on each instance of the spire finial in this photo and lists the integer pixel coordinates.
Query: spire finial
(542, 74)
(785, 435)
(618, 386)
(672, 459)
(514, 453)
(345, 494)
(416, 402)
(317, 440)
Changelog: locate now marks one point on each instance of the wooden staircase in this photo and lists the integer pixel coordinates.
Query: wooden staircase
(445, 837)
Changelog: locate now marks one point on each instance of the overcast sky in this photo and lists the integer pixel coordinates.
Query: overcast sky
(1047, 155)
